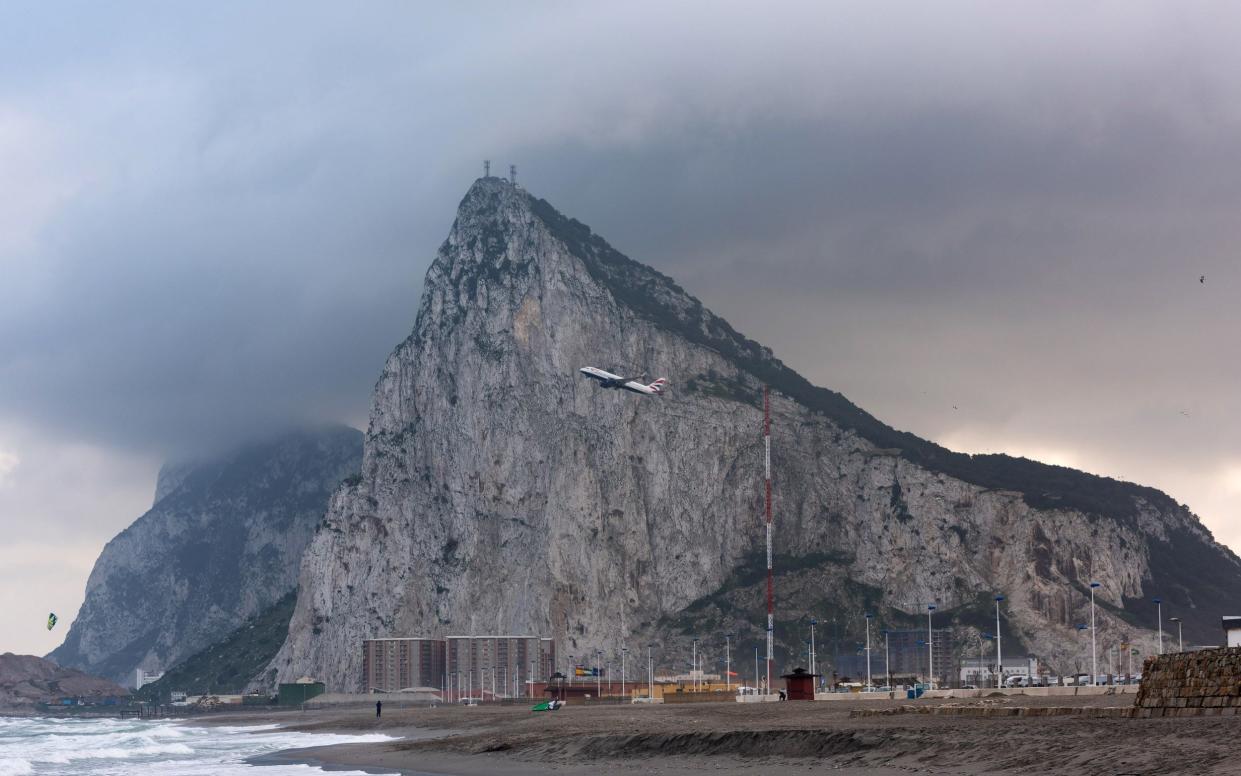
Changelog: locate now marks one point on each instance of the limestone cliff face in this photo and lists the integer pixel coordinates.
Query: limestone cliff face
(221, 543)
(502, 493)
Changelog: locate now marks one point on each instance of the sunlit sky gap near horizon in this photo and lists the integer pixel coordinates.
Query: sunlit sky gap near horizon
(216, 218)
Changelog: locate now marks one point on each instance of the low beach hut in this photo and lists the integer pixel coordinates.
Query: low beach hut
(800, 684)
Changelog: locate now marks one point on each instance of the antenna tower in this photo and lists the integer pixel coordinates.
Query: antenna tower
(512, 174)
(486, 168)
(771, 613)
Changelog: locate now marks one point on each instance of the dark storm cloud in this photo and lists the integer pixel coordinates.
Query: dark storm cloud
(226, 212)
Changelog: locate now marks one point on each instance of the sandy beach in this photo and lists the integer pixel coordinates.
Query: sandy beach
(728, 738)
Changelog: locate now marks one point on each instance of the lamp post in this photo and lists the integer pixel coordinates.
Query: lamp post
(869, 684)
(930, 647)
(999, 651)
(598, 673)
(887, 658)
(1158, 602)
(1080, 627)
(1180, 642)
(572, 670)
(813, 622)
(624, 654)
(694, 669)
(1094, 664)
(756, 682)
(728, 662)
(981, 638)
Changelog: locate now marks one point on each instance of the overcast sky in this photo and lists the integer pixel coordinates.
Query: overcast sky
(215, 218)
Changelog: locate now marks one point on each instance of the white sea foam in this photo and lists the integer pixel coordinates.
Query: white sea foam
(15, 766)
(110, 747)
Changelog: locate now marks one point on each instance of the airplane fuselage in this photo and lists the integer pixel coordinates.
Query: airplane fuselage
(608, 380)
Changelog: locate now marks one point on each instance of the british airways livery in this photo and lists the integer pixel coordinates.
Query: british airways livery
(609, 380)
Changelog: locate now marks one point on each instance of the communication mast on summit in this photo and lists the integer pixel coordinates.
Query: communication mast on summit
(771, 612)
(512, 174)
(486, 168)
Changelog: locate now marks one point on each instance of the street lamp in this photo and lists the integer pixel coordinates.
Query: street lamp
(869, 685)
(1094, 665)
(572, 670)
(624, 654)
(756, 677)
(887, 658)
(1158, 602)
(981, 638)
(598, 673)
(813, 622)
(1080, 627)
(999, 651)
(694, 669)
(1180, 642)
(728, 662)
(930, 647)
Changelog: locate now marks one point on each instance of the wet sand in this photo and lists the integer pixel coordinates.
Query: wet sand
(774, 738)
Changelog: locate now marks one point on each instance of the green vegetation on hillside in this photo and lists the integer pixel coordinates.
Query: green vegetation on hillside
(228, 665)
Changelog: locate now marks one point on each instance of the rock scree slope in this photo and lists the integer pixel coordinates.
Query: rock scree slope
(501, 493)
(222, 543)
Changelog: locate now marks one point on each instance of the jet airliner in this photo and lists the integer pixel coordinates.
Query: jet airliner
(609, 380)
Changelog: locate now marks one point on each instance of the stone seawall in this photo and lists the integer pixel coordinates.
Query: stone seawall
(1187, 684)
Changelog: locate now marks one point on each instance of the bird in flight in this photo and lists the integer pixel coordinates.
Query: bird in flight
(1202, 278)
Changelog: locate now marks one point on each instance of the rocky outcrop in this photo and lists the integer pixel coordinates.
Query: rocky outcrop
(26, 680)
(221, 544)
(502, 493)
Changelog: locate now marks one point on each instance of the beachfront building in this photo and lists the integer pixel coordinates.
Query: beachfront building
(395, 664)
(909, 655)
(483, 666)
(143, 678)
(980, 672)
(1232, 631)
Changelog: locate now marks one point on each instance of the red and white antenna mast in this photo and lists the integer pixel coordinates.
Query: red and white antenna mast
(771, 613)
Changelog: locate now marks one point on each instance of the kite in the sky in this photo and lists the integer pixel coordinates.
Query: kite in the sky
(51, 620)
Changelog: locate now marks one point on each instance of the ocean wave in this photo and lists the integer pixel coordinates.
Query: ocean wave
(109, 747)
(15, 766)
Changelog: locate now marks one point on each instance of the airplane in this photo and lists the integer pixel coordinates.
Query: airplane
(609, 380)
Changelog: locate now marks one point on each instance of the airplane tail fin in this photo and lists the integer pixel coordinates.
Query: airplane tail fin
(658, 385)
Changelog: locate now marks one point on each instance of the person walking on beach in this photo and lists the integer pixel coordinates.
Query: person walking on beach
(379, 707)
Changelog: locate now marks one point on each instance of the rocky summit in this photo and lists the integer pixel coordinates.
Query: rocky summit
(501, 493)
(221, 544)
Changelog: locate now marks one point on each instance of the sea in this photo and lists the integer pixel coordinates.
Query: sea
(115, 747)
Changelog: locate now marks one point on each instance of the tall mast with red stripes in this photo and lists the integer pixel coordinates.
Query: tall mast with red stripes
(771, 612)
